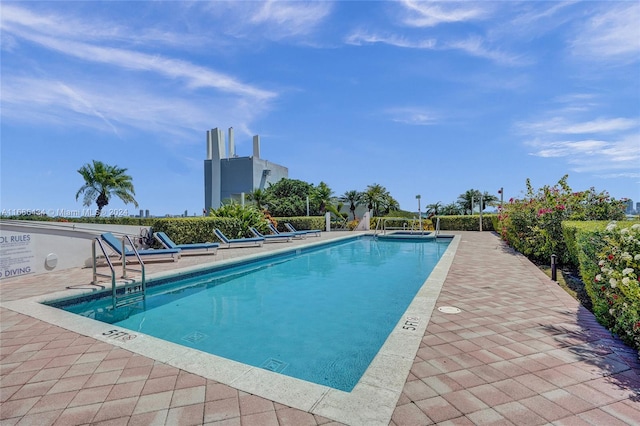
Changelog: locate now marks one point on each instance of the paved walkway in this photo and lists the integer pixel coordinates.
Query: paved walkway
(521, 351)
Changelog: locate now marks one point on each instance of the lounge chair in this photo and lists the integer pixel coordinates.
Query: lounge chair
(315, 232)
(147, 255)
(273, 238)
(237, 242)
(275, 231)
(187, 249)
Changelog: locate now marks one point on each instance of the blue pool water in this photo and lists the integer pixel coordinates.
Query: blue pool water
(319, 315)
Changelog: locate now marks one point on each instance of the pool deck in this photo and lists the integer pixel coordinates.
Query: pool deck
(520, 352)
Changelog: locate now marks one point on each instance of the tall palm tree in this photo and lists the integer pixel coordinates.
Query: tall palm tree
(374, 196)
(472, 198)
(102, 181)
(352, 197)
(322, 194)
(433, 209)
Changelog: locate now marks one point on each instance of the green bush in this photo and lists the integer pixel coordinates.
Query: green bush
(466, 222)
(533, 225)
(190, 230)
(300, 222)
(615, 284)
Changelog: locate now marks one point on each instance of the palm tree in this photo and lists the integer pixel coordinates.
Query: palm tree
(433, 209)
(451, 209)
(472, 198)
(258, 196)
(102, 181)
(352, 197)
(322, 194)
(379, 200)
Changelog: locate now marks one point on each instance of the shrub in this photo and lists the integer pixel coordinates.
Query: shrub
(197, 229)
(466, 222)
(301, 223)
(617, 281)
(246, 216)
(533, 225)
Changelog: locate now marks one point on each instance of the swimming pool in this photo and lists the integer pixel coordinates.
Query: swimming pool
(319, 314)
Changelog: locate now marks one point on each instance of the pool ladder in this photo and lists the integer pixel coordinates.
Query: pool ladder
(132, 292)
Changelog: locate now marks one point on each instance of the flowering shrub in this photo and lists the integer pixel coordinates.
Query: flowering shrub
(617, 284)
(533, 225)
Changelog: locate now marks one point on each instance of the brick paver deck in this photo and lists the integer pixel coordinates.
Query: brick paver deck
(520, 352)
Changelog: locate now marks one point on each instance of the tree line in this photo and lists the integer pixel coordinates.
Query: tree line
(285, 198)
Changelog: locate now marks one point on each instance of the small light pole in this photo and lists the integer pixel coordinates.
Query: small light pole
(419, 214)
(501, 192)
(554, 270)
(481, 206)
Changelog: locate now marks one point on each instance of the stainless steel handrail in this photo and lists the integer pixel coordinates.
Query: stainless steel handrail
(97, 274)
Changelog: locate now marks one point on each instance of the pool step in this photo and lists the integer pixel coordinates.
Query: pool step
(133, 293)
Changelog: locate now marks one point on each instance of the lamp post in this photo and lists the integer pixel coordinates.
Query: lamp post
(419, 214)
(501, 192)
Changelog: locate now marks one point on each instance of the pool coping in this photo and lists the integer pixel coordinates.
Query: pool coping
(371, 402)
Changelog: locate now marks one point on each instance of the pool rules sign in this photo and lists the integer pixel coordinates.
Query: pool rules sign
(16, 254)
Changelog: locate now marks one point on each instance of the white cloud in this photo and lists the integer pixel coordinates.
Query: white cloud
(612, 34)
(429, 14)
(412, 115)
(291, 18)
(476, 46)
(361, 37)
(45, 31)
(561, 125)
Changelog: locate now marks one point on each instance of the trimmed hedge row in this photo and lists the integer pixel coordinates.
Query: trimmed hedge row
(189, 230)
(467, 223)
(588, 243)
(300, 223)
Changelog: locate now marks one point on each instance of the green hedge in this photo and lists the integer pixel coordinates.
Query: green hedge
(574, 230)
(198, 229)
(586, 242)
(300, 223)
(467, 222)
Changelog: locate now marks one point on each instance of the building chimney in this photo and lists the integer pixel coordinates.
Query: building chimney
(232, 145)
(256, 146)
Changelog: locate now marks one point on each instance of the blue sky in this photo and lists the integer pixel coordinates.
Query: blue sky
(429, 98)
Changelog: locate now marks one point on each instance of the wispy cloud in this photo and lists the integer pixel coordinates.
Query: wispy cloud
(164, 94)
(361, 37)
(82, 103)
(563, 126)
(429, 14)
(476, 46)
(593, 155)
(612, 33)
(291, 18)
(414, 116)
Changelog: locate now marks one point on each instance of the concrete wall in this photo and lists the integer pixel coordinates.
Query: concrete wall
(31, 247)
(237, 174)
(244, 174)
